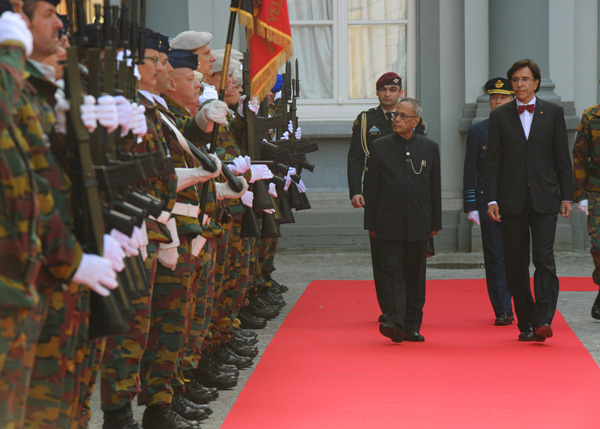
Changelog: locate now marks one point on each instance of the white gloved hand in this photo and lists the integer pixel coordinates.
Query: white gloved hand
(298, 133)
(223, 190)
(88, 113)
(215, 111)
(97, 273)
(272, 190)
(254, 105)
(129, 245)
(583, 206)
(288, 178)
(240, 165)
(114, 253)
(168, 252)
(240, 107)
(106, 112)
(473, 216)
(270, 211)
(260, 172)
(301, 187)
(285, 136)
(187, 177)
(290, 127)
(124, 112)
(14, 27)
(61, 109)
(248, 198)
(137, 236)
(138, 125)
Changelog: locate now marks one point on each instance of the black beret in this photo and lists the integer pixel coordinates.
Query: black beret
(499, 85)
(179, 58)
(163, 43)
(152, 39)
(53, 2)
(5, 5)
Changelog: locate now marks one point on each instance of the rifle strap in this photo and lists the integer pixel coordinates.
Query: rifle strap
(180, 138)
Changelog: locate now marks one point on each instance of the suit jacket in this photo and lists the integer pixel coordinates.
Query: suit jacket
(399, 203)
(541, 162)
(474, 171)
(377, 126)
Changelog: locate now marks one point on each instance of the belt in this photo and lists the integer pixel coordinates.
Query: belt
(163, 218)
(184, 209)
(26, 272)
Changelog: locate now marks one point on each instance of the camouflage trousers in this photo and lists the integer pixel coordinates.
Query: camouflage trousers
(120, 371)
(221, 277)
(51, 400)
(593, 226)
(268, 262)
(203, 289)
(19, 331)
(168, 328)
(90, 360)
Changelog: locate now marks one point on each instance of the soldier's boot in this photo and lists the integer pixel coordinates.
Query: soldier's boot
(189, 410)
(272, 298)
(247, 341)
(282, 288)
(226, 355)
(250, 321)
(240, 348)
(196, 392)
(163, 417)
(259, 308)
(211, 377)
(596, 308)
(245, 333)
(220, 366)
(120, 419)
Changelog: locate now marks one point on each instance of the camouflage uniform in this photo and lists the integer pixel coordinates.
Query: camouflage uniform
(120, 370)
(586, 161)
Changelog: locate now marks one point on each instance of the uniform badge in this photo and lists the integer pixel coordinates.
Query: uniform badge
(374, 131)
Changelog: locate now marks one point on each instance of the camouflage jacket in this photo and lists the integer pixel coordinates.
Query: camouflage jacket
(586, 154)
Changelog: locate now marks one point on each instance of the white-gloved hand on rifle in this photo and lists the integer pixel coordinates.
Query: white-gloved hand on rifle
(187, 177)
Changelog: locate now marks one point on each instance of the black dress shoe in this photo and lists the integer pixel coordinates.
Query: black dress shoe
(596, 312)
(259, 308)
(185, 408)
(382, 318)
(163, 417)
(241, 349)
(220, 366)
(210, 377)
(394, 331)
(504, 319)
(526, 335)
(542, 332)
(414, 336)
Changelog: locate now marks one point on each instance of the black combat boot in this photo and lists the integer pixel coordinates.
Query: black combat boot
(163, 417)
(189, 410)
(120, 419)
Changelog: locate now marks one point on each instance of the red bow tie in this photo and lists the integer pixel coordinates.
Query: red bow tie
(528, 107)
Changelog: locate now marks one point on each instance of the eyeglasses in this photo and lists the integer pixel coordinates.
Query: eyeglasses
(525, 80)
(404, 117)
(154, 59)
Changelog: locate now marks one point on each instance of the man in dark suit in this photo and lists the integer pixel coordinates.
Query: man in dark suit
(370, 125)
(475, 204)
(529, 180)
(403, 209)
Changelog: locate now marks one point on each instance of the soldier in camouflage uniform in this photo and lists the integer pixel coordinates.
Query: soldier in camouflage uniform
(586, 165)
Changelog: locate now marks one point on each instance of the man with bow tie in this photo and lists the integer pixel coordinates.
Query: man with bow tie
(529, 180)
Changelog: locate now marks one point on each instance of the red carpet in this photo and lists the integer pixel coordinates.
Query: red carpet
(328, 367)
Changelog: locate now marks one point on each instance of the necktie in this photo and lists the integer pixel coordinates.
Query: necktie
(528, 107)
(390, 117)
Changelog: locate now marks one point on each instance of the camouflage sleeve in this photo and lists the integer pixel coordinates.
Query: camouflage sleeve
(237, 129)
(12, 65)
(581, 156)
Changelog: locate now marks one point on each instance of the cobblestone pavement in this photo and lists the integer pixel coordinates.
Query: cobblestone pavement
(297, 269)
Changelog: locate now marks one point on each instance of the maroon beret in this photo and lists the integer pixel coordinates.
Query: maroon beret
(389, 78)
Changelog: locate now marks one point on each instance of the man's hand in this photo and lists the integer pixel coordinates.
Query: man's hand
(358, 201)
(494, 212)
(565, 209)
(433, 233)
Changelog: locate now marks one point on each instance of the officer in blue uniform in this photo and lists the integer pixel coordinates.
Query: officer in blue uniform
(500, 92)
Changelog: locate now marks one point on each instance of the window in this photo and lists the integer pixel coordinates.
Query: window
(343, 46)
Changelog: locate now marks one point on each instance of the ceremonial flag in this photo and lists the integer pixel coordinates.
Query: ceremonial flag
(269, 41)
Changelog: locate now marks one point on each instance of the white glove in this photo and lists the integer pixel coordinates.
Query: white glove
(260, 172)
(288, 178)
(61, 109)
(137, 236)
(97, 273)
(240, 108)
(301, 187)
(272, 190)
(215, 111)
(130, 245)
(187, 177)
(583, 206)
(124, 112)
(138, 125)
(114, 253)
(473, 216)
(248, 198)
(290, 127)
(14, 27)
(240, 165)
(168, 252)
(106, 112)
(270, 211)
(88, 113)
(285, 136)
(298, 133)
(223, 190)
(144, 239)
(254, 105)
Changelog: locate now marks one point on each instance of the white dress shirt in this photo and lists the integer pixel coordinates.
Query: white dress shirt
(526, 117)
